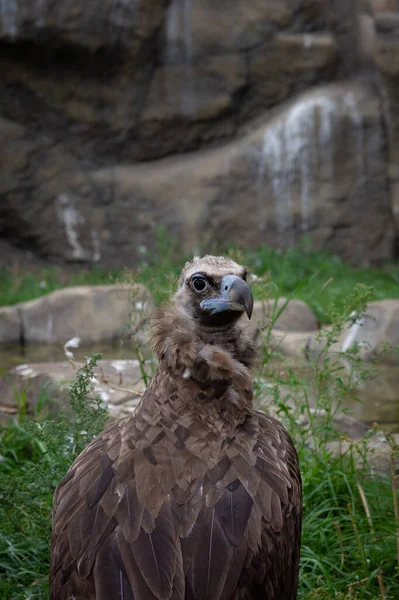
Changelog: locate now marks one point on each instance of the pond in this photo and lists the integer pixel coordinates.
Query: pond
(378, 399)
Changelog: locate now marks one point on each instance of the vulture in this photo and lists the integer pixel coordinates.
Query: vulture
(197, 495)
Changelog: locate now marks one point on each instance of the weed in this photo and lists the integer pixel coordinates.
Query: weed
(314, 276)
(350, 525)
(350, 546)
(34, 456)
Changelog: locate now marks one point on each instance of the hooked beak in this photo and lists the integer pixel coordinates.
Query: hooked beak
(236, 296)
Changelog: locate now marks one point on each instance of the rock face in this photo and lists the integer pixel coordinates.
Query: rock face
(377, 334)
(295, 315)
(10, 325)
(118, 383)
(92, 313)
(386, 60)
(89, 92)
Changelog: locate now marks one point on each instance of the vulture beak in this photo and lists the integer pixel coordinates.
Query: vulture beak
(236, 296)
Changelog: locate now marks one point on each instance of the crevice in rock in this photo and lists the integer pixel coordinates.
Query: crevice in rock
(22, 341)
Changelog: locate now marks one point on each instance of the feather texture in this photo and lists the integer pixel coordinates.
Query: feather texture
(196, 496)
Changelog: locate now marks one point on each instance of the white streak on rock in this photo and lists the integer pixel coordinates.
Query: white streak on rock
(96, 246)
(71, 218)
(352, 333)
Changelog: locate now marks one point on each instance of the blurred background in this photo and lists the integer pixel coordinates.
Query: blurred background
(238, 122)
(134, 133)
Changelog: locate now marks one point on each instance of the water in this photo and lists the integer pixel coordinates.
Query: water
(12, 355)
(298, 152)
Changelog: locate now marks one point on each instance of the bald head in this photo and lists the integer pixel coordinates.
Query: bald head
(213, 291)
(213, 266)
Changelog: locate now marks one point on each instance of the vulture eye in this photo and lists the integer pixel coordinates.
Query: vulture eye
(199, 283)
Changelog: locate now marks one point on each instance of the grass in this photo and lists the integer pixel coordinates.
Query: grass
(34, 456)
(313, 276)
(351, 521)
(351, 518)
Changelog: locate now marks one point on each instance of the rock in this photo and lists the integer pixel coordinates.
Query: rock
(92, 313)
(10, 325)
(52, 381)
(384, 6)
(115, 72)
(289, 63)
(296, 315)
(350, 427)
(386, 61)
(242, 27)
(258, 187)
(387, 23)
(141, 80)
(292, 344)
(299, 53)
(375, 454)
(373, 333)
(87, 25)
(192, 92)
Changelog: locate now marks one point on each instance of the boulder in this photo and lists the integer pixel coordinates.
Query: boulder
(197, 29)
(311, 170)
(92, 313)
(386, 61)
(10, 325)
(87, 91)
(377, 335)
(51, 382)
(87, 25)
(374, 333)
(293, 344)
(296, 315)
(378, 6)
(374, 454)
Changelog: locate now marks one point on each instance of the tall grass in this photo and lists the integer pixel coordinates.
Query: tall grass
(351, 516)
(34, 456)
(351, 522)
(315, 276)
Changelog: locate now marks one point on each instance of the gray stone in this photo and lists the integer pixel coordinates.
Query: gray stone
(383, 6)
(118, 383)
(374, 333)
(296, 315)
(145, 79)
(87, 25)
(258, 188)
(199, 92)
(91, 313)
(292, 344)
(377, 453)
(10, 325)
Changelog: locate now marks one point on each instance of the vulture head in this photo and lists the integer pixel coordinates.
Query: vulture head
(213, 292)
(204, 334)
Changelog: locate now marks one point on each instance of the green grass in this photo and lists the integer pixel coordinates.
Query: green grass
(320, 278)
(349, 545)
(314, 276)
(19, 285)
(34, 456)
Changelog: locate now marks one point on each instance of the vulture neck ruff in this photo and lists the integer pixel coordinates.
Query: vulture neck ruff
(209, 367)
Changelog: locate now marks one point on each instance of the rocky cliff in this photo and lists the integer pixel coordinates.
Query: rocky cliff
(245, 121)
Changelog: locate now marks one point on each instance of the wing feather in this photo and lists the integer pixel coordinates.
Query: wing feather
(155, 554)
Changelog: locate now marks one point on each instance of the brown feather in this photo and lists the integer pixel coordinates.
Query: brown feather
(196, 496)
